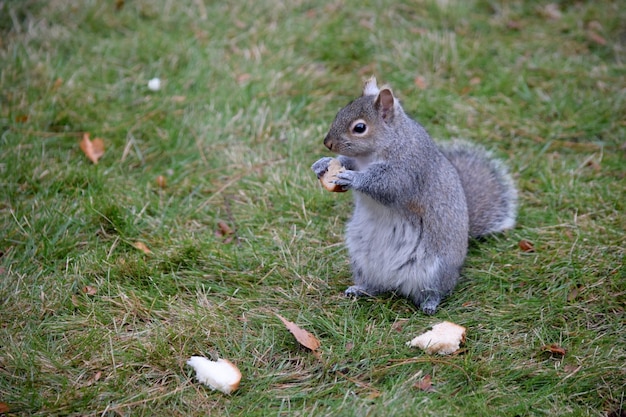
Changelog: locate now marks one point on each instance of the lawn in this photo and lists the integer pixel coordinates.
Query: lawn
(202, 219)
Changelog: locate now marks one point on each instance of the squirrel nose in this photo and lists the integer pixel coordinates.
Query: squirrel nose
(328, 143)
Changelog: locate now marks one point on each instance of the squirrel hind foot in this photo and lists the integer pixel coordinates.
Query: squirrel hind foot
(429, 305)
(357, 291)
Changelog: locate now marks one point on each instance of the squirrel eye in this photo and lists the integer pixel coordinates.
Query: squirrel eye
(359, 128)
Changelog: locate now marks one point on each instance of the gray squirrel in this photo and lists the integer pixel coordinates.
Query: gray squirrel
(415, 203)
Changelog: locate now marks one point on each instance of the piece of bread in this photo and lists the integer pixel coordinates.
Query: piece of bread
(221, 375)
(330, 176)
(444, 339)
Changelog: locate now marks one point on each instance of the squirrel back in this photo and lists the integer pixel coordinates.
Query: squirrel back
(416, 204)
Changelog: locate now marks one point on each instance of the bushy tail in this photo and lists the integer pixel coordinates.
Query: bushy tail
(489, 189)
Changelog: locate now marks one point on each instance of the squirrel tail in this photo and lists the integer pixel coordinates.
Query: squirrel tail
(489, 189)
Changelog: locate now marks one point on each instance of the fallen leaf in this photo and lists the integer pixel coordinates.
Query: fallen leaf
(399, 324)
(425, 384)
(475, 81)
(4, 408)
(89, 290)
(303, 337)
(22, 118)
(420, 82)
(554, 349)
(526, 246)
(224, 229)
(161, 181)
(178, 99)
(119, 4)
(142, 247)
(573, 294)
(94, 379)
(75, 301)
(93, 149)
(57, 84)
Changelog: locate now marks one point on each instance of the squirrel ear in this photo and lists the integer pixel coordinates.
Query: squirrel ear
(370, 88)
(385, 104)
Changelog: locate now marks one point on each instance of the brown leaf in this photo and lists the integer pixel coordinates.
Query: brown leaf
(303, 337)
(94, 379)
(4, 408)
(526, 246)
(57, 84)
(420, 82)
(89, 290)
(161, 181)
(398, 325)
(224, 229)
(142, 247)
(573, 294)
(425, 384)
(22, 118)
(554, 349)
(93, 149)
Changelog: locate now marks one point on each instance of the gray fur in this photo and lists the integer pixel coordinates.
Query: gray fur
(409, 230)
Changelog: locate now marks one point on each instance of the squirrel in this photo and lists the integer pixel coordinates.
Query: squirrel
(416, 204)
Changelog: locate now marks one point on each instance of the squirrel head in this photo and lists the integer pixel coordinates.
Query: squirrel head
(360, 128)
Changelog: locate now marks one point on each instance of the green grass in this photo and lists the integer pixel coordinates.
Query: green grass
(248, 93)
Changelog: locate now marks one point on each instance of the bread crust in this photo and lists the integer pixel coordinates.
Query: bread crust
(330, 176)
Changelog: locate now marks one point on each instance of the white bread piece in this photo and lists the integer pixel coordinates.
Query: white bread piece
(329, 176)
(444, 339)
(220, 375)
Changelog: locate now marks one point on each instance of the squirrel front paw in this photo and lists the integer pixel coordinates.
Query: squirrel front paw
(346, 179)
(321, 166)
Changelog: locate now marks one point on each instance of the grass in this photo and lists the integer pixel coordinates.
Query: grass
(93, 326)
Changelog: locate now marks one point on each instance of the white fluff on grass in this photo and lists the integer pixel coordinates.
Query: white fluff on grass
(444, 339)
(154, 84)
(221, 375)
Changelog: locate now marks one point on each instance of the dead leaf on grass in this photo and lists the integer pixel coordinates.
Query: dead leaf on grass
(224, 229)
(425, 384)
(93, 149)
(303, 337)
(161, 181)
(526, 246)
(573, 294)
(142, 247)
(4, 408)
(89, 290)
(554, 349)
(398, 325)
